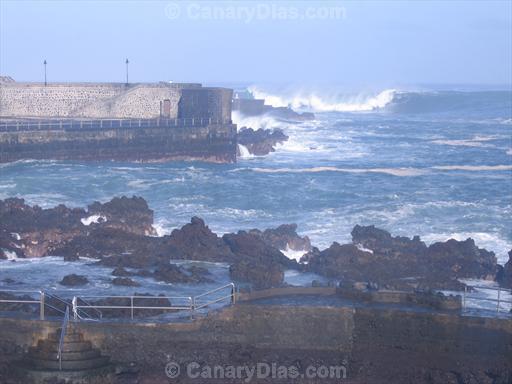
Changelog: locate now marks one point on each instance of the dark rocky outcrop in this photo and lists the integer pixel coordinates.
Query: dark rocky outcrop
(283, 237)
(32, 231)
(195, 241)
(400, 262)
(74, 280)
(262, 141)
(260, 276)
(117, 234)
(257, 262)
(505, 274)
(128, 214)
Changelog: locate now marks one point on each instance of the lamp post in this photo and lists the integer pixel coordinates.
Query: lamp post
(127, 62)
(45, 83)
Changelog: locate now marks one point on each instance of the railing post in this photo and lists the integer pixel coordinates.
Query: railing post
(499, 295)
(75, 309)
(41, 305)
(233, 294)
(131, 306)
(464, 298)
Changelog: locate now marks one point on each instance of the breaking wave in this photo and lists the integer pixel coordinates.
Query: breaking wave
(326, 103)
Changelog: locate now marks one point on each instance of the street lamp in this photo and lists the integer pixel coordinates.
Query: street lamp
(127, 62)
(45, 83)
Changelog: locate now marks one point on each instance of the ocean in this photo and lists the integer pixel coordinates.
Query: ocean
(434, 163)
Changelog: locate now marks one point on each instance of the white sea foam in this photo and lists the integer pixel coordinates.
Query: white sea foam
(293, 254)
(256, 122)
(326, 103)
(361, 248)
(474, 167)
(16, 236)
(11, 255)
(509, 151)
(93, 219)
(389, 171)
(476, 141)
(244, 152)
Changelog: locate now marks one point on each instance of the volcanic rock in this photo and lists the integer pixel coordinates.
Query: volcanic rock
(74, 280)
(128, 214)
(284, 237)
(262, 141)
(260, 276)
(400, 262)
(505, 275)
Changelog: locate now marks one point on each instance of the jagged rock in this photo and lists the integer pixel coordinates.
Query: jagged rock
(257, 262)
(125, 281)
(31, 231)
(128, 214)
(505, 275)
(401, 263)
(283, 237)
(262, 141)
(171, 273)
(195, 241)
(74, 280)
(260, 276)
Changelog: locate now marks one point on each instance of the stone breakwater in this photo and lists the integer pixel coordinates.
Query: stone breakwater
(121, 140)
(109, 121)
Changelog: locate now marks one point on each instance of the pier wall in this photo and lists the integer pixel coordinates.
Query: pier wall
(375, 345)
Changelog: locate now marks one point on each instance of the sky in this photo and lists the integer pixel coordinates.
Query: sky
(361, 43)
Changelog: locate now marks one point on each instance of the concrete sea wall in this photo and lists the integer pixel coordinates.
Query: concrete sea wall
(375, 345)
(180, 121)
(153, 141)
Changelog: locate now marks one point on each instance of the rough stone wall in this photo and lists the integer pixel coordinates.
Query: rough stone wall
(112, 100)
(55, 100)
(141, 101)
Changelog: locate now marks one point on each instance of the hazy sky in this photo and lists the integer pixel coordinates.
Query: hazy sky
(359, 43)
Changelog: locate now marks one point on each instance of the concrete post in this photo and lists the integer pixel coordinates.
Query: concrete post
(41, 305)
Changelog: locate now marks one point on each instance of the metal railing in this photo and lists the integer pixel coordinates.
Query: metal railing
(65, 321)
(93, 307)
(127, 302)
(499, 300)
(231, 296)
(100, 124)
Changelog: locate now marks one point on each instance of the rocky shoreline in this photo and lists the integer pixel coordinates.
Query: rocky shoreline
(120, 234)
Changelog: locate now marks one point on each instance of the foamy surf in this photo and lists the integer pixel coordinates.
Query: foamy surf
(326, 103)
(244, 152)
(389, 171)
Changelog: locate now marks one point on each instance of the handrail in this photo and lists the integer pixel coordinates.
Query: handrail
(232, 285)
(498, 301)
(80, 305)
(76, 308)
(62, 335)
(14, 125)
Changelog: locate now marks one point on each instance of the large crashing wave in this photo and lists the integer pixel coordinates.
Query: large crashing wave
(486, 104)
(316, 102)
